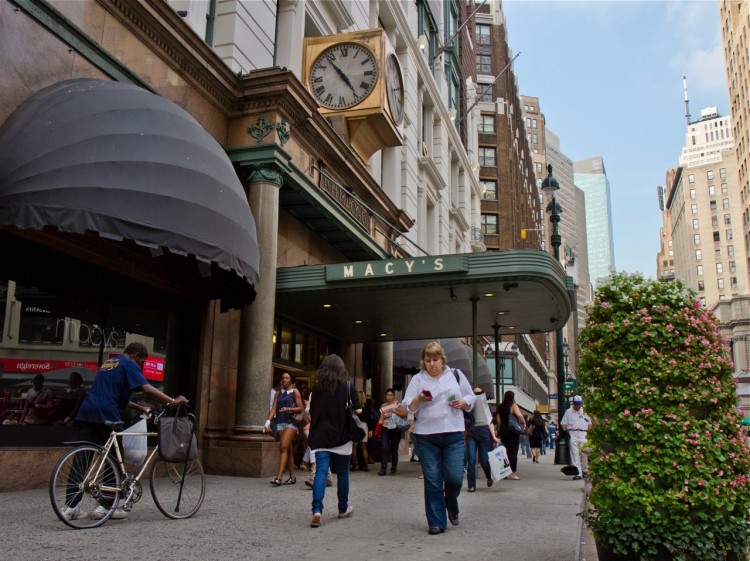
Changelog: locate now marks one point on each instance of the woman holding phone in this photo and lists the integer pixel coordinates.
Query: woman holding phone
(438, 395)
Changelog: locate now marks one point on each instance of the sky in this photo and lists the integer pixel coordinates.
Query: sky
(608, 75)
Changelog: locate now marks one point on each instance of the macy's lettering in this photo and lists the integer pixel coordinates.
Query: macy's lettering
(85, 334)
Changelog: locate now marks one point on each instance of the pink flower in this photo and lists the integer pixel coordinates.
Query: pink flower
(626, 413)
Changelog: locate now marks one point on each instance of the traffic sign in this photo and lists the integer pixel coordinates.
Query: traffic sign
(570, 386)
(553, 396)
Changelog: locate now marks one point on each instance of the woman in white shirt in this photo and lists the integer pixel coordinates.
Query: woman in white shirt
(438, 395)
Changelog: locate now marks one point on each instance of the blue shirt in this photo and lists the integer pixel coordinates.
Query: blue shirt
(113, 386)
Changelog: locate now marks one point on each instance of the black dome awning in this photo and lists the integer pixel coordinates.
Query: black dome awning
(112, 158)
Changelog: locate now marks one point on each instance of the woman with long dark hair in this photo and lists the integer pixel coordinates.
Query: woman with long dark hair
(330, 436)
(510, 440)
(536, 437)
(286, 402)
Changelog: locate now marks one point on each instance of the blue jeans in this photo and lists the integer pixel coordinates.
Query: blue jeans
(478, 437)
(525, 445)
(323, 461)
(442, 457)
(551, 441)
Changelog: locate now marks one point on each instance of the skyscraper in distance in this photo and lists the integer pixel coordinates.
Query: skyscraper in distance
(591, 177)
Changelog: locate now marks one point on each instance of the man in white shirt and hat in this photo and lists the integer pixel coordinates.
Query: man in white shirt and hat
(577, 423)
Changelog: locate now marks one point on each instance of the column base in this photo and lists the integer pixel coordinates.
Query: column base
(248, 453)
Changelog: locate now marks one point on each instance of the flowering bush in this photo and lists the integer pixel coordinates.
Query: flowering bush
(670, 461)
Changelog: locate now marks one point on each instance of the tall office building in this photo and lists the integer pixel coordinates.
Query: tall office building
(591, 177)
(703, 205)
(735, 25)
(573, 251)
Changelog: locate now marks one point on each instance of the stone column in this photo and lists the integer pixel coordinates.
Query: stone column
(382, 378)
(254, 369)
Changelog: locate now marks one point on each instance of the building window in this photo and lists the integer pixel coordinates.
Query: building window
(484, 64)
(484, 34)
(486, 157)
(486, 124)
(719, 268)
(711, 190)
(701, 285)
(699, 270)
(691, 178)
(692, 193)
(732, 267)
(725, 203)
(38, 326)
(717, 237)
(703, 301)
(485, 92)
(729, 235)
(714, 222)
(727, 219)
(723, 173)
(710, 174)
(698, 254)
(697, 239)
(730, 250)
(733, 282)
(712, 204)
(489, 190)
(489, 224)
(695, 224)
(720, 284)
(724, 188)
(693, 209)
(717, 253)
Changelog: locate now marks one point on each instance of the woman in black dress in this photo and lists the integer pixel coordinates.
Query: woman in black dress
(510, 440)
(539, 432)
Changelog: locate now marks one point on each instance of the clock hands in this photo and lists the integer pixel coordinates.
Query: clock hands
(343, 76)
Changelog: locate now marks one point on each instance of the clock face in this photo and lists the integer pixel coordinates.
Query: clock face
(343, 75)
(395, 87)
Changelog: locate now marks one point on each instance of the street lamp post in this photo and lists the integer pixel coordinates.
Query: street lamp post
(550, 186)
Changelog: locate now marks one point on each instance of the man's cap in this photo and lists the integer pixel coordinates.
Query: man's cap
(577, 400)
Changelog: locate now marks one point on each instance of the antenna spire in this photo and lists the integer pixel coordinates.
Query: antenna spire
(687, 103)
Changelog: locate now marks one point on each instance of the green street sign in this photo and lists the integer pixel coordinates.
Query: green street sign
(570, 386)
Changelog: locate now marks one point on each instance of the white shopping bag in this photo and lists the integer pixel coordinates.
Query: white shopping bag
(134, 447)
(499, 464)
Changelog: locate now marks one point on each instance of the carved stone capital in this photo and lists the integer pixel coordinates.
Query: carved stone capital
(265, 173)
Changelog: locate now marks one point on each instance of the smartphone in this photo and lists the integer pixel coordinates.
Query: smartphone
(427, 393)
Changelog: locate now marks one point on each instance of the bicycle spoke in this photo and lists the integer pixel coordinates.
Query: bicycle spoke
(75, 487)
(178, 488)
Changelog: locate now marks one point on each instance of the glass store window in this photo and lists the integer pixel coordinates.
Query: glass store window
(65, 340)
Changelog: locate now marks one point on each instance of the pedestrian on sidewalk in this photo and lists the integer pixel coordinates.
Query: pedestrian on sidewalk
(390, 435)
(286, 401)
(539, 433)
(437, 395)
(577, 423)
(480, 437)
(330, 437)
(509, 439)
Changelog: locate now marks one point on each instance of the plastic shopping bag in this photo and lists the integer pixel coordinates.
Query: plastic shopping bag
(134, 447)
(499, 464)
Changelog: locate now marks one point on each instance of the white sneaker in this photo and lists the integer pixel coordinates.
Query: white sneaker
(100, 512)
(74, 513)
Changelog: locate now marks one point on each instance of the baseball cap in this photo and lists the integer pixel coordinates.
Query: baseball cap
(577, 399)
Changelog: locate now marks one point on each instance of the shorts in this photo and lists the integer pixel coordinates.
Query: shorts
(281, 426)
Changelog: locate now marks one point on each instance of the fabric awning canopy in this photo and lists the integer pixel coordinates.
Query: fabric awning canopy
(112, 158)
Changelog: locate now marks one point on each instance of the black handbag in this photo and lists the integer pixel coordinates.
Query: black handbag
(176, 436)
(514, 427)
(468, 415)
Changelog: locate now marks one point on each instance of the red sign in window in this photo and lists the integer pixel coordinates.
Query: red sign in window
(153, 368)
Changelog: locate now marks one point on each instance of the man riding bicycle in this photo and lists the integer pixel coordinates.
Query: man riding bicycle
(110, 394)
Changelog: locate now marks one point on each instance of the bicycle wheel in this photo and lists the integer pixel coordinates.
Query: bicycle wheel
(75, 491)
(178, 488)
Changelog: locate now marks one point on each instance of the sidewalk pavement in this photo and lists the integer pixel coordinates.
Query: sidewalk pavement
(534, 519)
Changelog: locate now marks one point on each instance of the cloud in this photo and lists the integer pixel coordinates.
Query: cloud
(695, 32)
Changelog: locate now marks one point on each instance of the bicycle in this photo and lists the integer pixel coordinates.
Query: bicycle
(92, 477)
